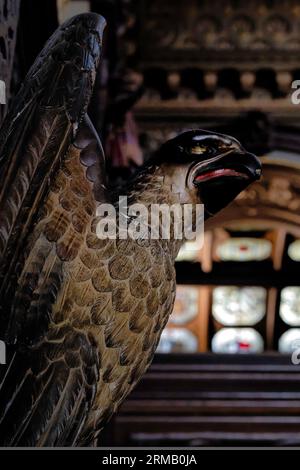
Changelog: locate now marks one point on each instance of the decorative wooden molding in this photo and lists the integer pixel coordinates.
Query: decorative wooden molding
(220, 33)
(216, 58)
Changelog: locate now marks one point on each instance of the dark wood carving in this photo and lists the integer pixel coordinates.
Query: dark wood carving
(212, 400)
(219, 33)
(207, 62)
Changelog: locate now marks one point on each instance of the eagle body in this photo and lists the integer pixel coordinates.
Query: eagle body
(109, 301)
(83, 315)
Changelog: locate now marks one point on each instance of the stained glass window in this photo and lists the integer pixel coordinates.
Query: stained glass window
(244, 249)
(189, 251)
(290, 306)
(186, 305)
(234, 316)
(237, 340)
(294, 250)
(238, 306)
(177, 340)
(289, 341)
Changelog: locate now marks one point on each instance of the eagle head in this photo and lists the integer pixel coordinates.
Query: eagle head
(214, 168)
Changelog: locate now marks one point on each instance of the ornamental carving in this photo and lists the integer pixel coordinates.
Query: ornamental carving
(216, 25)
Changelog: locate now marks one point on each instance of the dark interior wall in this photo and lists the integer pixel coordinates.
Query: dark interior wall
(9, 10)
(38, 20)
(25, 26)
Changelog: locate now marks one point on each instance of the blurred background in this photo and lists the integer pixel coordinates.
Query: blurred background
(223, 373)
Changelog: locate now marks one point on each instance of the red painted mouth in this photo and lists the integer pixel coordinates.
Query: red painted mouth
(218, 173)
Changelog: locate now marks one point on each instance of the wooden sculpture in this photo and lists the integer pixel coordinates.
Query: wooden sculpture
(81, 315)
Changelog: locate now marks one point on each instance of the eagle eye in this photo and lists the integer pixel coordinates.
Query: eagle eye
(198, 149)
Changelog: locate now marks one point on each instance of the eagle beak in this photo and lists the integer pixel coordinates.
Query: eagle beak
(232, 163)
(220, 179)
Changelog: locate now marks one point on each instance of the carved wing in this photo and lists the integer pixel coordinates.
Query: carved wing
(49, 188)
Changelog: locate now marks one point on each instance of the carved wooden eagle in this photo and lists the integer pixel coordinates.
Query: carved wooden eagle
(82, 315)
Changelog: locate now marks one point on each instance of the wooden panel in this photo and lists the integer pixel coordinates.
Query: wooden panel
(212, 400)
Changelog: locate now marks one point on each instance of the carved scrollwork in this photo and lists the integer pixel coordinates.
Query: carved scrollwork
(254, 25)
(277, 25)
(242, 29)
(246, 52)
(206, 30)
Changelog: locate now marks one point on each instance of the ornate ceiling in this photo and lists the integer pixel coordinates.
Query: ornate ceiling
(211, 60)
